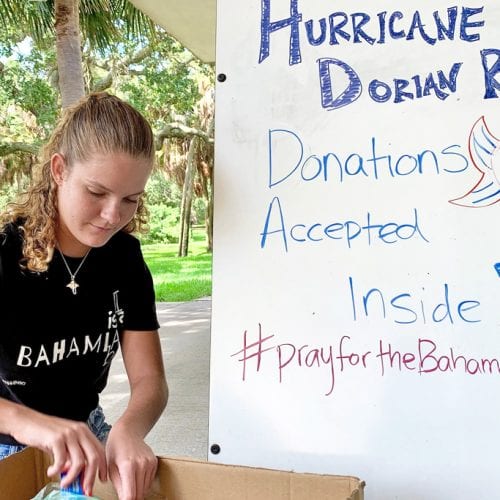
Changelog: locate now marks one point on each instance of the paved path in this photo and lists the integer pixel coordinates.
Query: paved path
(185, 339)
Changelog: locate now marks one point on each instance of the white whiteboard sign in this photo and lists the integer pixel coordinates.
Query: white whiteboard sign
(356, 311)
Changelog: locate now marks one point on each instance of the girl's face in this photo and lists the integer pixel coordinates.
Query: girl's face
(96, 198)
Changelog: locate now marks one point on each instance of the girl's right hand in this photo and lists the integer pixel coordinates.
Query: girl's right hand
(73, 447)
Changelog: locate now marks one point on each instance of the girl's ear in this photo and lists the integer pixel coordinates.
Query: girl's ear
(58, 168)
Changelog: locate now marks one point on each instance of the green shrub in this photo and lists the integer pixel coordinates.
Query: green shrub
(163, 225)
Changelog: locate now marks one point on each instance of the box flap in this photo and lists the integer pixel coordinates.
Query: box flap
(23, 474)
(187, 479)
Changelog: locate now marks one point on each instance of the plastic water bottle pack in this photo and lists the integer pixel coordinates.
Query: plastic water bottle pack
(53, 491)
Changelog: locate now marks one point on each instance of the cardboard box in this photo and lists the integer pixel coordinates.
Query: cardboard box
(24, 474)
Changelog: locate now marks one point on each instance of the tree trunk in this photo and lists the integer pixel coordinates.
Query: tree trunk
(69, 53)
(209, 207)
(209, 222)
(209, 214)
(187, 198)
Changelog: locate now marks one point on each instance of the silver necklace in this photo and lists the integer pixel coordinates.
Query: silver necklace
(73, 285)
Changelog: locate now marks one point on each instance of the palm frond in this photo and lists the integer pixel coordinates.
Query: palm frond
(40, 20)
(102, 22)
(105, 21)
(12, 12)
(135, 21)
(98, 29)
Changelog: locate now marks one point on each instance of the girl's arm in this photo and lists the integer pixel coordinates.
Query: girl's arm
(131, 463)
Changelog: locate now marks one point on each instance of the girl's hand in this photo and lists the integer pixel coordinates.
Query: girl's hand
(73, 447)
(131, 464)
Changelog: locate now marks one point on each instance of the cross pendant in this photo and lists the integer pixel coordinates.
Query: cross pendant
(73, 285)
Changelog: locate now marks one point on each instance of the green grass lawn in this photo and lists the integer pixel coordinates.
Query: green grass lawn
(179, 279)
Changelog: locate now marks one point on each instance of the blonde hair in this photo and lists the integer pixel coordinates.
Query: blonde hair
(99, 123)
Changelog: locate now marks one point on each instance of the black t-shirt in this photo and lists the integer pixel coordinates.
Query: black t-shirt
(56, 347)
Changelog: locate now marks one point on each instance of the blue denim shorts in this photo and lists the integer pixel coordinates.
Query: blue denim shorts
(96, 422)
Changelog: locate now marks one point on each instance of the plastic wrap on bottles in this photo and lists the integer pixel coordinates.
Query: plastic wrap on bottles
(52, 491)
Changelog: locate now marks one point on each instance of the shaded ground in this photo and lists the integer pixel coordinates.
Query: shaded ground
(185, 339)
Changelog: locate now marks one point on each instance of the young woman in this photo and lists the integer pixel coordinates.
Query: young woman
(73, 289)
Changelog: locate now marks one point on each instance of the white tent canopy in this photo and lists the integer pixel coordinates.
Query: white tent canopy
(191, 22)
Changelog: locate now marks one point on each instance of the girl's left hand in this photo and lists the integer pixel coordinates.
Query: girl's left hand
(131, 464)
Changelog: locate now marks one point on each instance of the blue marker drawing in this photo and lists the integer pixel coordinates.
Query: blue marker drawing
(484, 148)
(497, 268)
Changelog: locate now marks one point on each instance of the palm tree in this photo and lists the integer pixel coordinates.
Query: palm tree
(98, 21)
(69, 51)
(99, 24)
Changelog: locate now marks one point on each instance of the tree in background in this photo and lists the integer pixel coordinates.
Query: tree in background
(190, 158)
(145, 66)
(61, 19)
